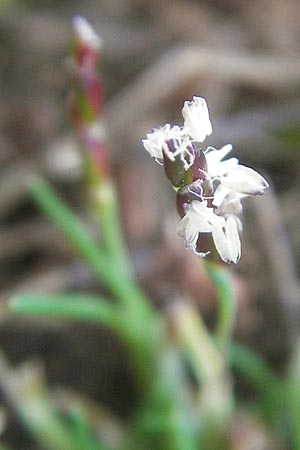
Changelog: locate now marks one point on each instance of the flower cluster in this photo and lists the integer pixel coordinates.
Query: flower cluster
(209, 188)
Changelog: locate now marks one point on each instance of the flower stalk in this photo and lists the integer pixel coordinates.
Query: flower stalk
(226, 315)
(214, 391)
(86, 111)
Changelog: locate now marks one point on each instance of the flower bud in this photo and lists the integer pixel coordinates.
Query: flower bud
(184, 168)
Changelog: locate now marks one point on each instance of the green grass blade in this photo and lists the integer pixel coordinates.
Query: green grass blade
(107, 213)
(221, 279)
(72, 306)
(110, 275)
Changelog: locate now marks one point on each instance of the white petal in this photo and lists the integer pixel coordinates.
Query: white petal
(233, 239)
(155, 140)
(156, 143)
(86, 33)
(199, 218)
(189, 232)
(219, 195)
(244, 180)
(196, 119)
(154, 150)
(215, 165)
(222, 167)
(214, 156)
(203, 216)
(221, 243)
(231, 205)
(227, 240)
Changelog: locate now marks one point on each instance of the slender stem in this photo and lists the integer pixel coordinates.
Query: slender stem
(107, 212)
(196, 341)
(165, 417)
(292, 395)
(26, 392)
(81, 307)
(115, 280)
(222, 281)
(141, 335)
(206, 362)
(83, 432)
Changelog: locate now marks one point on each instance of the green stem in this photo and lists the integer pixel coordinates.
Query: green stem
(293, 413)
(222, 281)
(115, 280)
(107, 212)
(292, 397)
(47, 428)
(72, 306)
(196, 342)
(142, 335)
(164, 420)
(26, 392)
(83, 432)
(206, 362)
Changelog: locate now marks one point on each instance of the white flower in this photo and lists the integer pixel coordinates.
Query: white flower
(215, 166)
(241, 180)
(158, 142)
(196, 119)
(86, 33)
(227, 241)
(211, 194)
(231, 205)
(199, 218)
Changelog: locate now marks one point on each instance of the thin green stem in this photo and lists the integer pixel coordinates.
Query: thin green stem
(222, 281)
(203, 356)
(292, 397)
(72, 306)
(83, 432)
(26, 392)
(141, 335)
(46, 427)
(107, 213)
(206, 362)
(164, 420)
(116, 281)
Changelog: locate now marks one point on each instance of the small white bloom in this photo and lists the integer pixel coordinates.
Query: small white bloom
(244, 180)
(196, 119)
(241, 180)
(215, 187)
(155, 140)
(231, 205)
(215, 166)
(86, 33)
(199, 218)
(156, 143)
(227, 241)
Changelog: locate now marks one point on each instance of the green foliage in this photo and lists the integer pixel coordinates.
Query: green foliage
(166, 418)
(289, 136)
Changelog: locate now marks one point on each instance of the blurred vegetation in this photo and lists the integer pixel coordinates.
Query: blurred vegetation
(98, 358)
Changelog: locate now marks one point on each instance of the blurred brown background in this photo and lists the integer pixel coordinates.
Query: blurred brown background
(243, 57)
